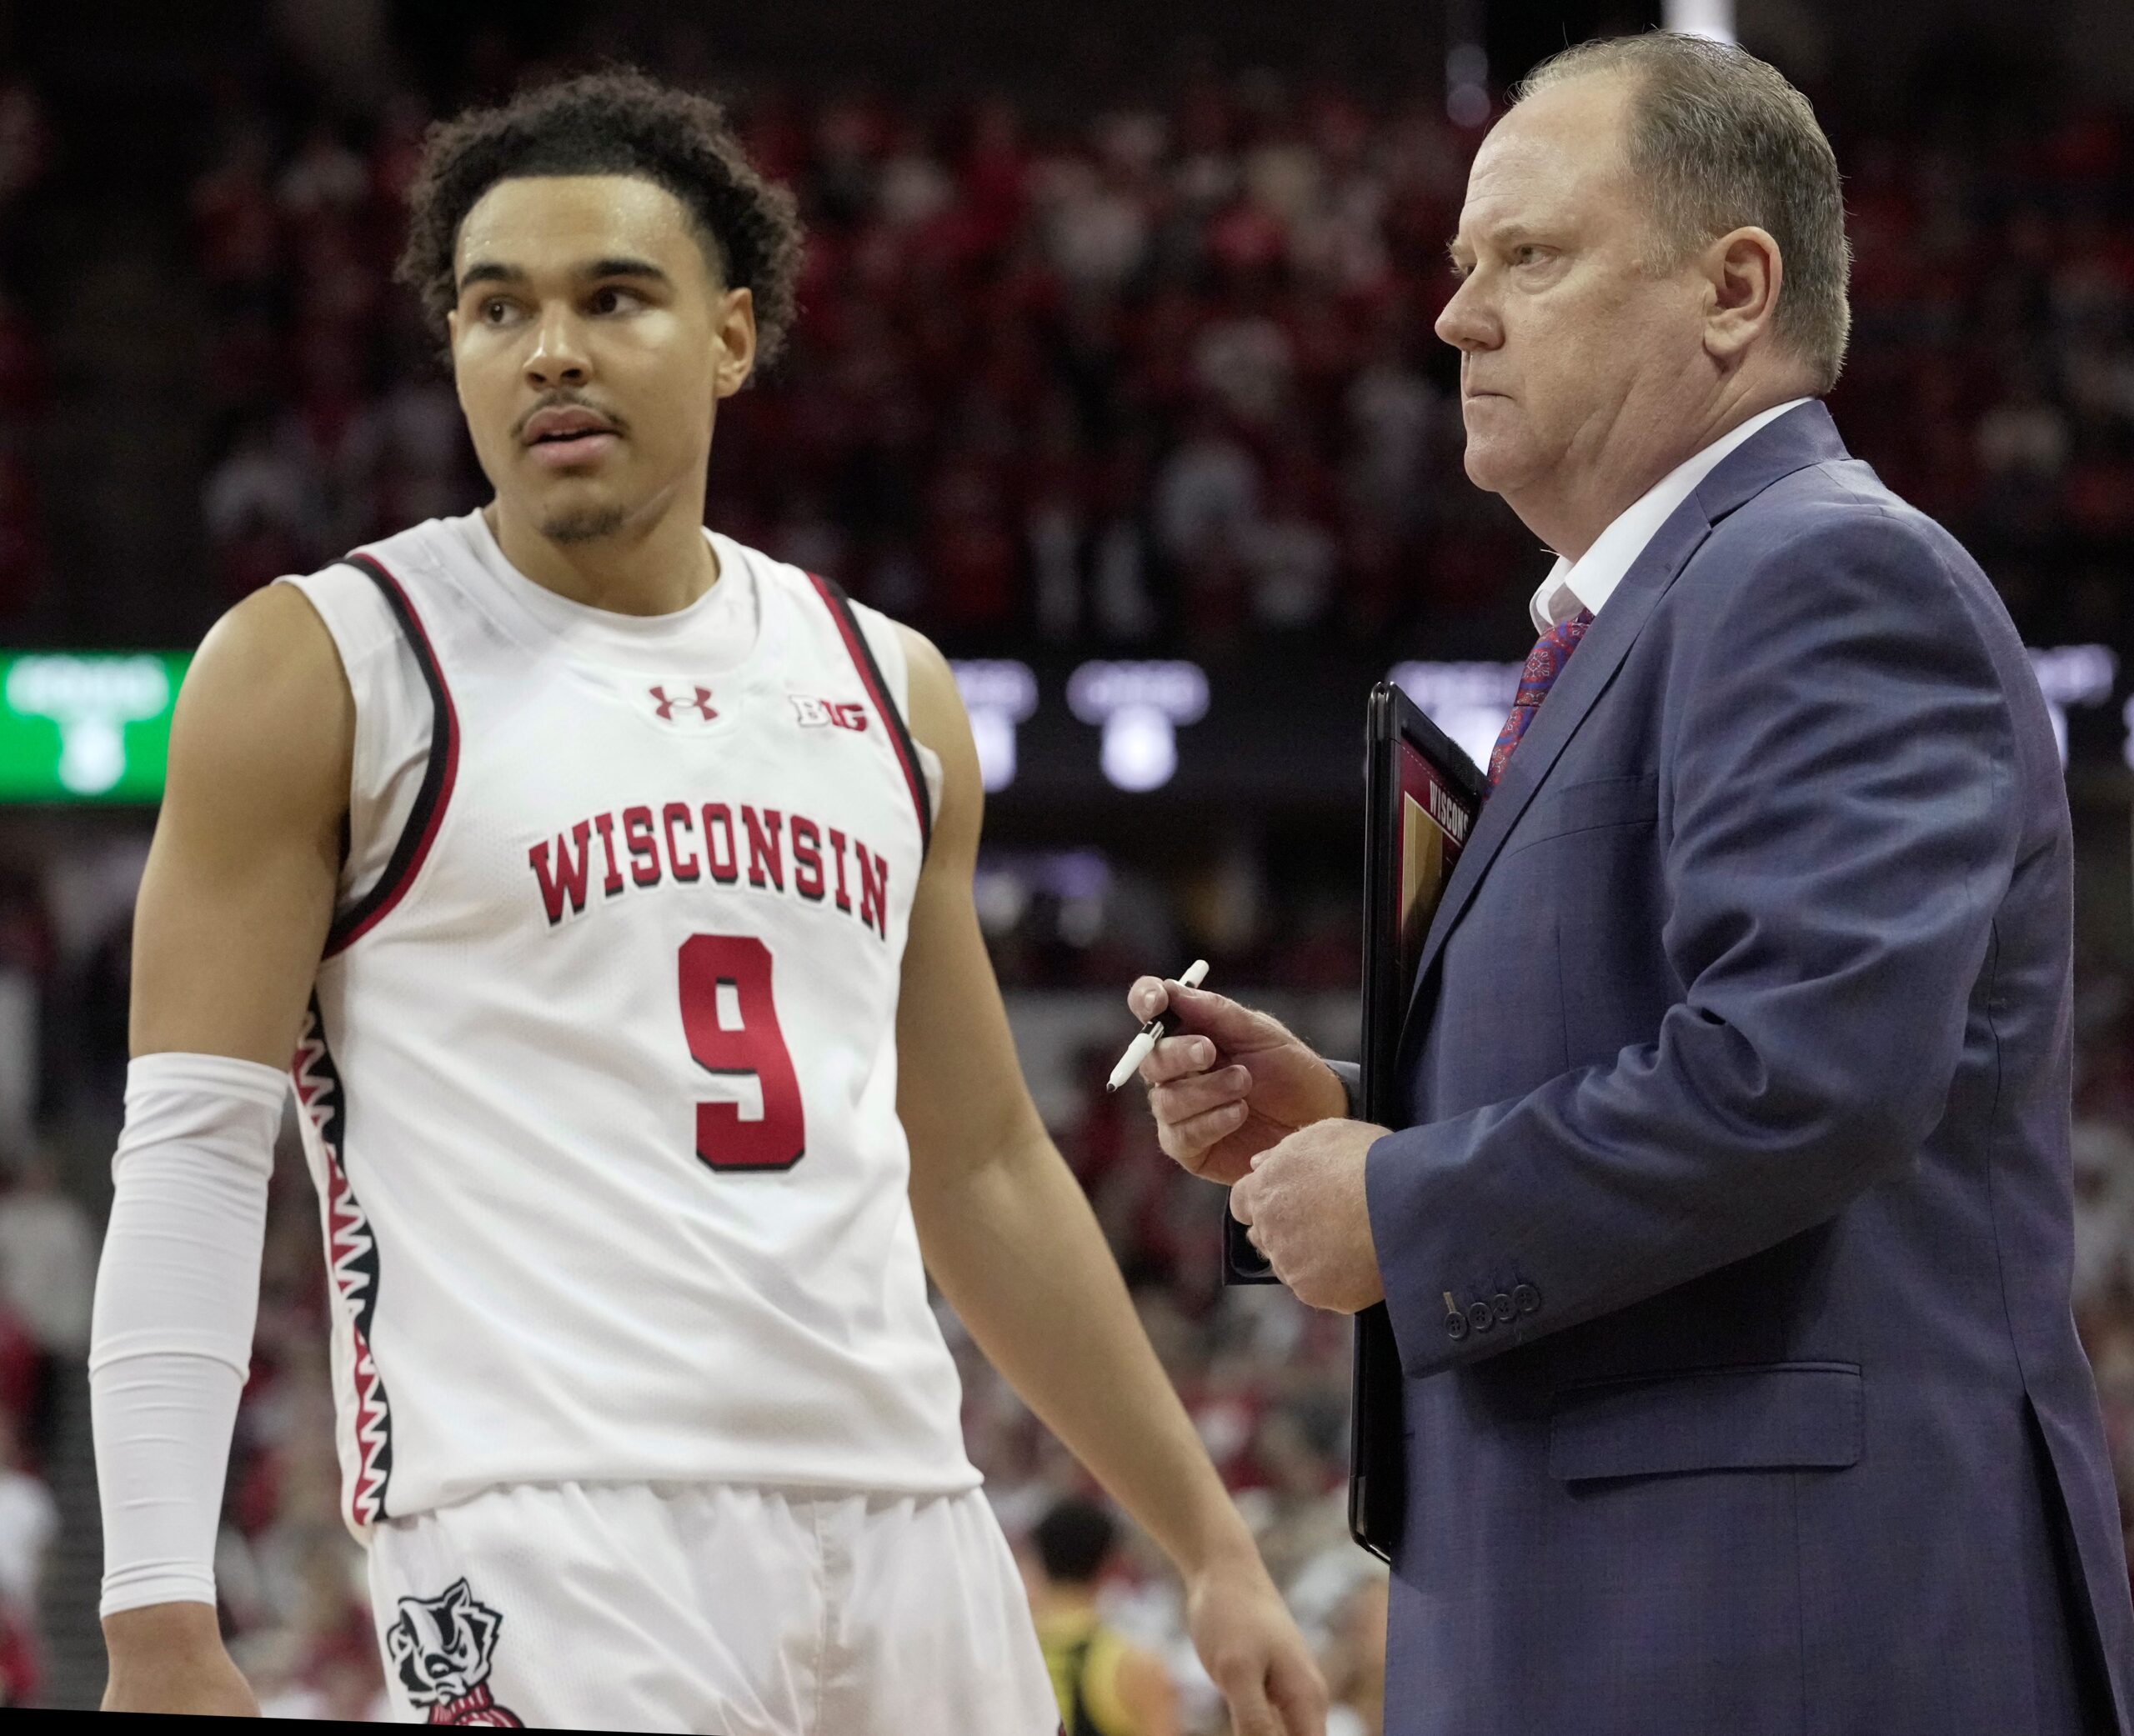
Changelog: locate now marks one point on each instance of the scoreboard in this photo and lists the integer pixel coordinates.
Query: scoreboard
(86, 726)
(94, 726)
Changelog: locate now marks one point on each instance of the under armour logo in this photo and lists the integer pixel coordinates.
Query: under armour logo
(698, 699)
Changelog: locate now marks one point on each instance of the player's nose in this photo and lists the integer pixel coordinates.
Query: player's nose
(557, 357)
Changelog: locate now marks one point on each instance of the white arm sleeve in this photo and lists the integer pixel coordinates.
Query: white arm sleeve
(178, 1294)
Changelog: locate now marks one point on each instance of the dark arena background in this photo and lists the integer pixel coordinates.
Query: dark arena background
(1114, 373)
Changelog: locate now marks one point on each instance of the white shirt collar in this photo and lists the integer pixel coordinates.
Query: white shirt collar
(1590, 581)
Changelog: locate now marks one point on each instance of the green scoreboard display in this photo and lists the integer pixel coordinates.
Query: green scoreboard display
(86, 726)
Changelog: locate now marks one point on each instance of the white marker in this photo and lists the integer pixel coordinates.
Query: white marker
(1162, 1025)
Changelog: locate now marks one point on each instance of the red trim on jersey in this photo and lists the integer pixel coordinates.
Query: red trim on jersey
(351, 1265)
(442, 773)
(870, 676)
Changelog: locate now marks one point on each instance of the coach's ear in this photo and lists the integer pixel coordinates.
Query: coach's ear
(733, 336)
(1742, 272)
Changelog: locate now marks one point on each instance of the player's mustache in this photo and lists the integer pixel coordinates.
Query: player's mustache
(570, 401)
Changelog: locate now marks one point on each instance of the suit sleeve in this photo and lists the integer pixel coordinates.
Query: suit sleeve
(1842, 833)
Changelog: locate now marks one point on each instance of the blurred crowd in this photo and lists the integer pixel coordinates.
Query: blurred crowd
(24, 368)
(47, 1273)
(2104, 1216)
(1167, 376)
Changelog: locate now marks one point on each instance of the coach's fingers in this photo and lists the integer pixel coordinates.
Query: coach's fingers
(1146, 998)
(1189, 1141)
(1233, 1025)
(1181, 1099)
(1174, 1057)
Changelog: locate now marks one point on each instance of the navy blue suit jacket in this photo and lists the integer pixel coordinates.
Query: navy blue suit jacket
(1737, 1090)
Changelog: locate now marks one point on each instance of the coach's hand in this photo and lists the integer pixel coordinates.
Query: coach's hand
(1231, 1083)
(1304, 1206)
(1253, 1652)
(169, 1657)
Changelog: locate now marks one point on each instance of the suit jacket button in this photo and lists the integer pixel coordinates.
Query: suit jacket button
(1455, 1326)
(1480, 1317)
(1526, 1299)
(1500, 1305)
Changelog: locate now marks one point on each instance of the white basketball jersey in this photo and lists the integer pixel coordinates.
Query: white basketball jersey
(599, 1078)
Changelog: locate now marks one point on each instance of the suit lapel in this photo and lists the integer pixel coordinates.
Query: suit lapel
(1584, 679)
(1803, 436)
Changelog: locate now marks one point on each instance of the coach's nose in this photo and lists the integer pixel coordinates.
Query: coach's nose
(557, 357)
(1470, 322)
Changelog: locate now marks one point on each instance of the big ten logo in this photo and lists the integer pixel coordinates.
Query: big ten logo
(828, 713)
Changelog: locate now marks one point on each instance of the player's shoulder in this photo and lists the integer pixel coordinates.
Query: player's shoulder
(291, 642)
(272, 637)
(928, 667)
(906, 657)
(920, 684)
(366, 597)
(265, 718)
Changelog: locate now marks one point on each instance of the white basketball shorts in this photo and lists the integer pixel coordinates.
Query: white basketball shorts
(715, 1608)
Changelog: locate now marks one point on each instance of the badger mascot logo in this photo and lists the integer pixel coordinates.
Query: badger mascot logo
(441, 1646)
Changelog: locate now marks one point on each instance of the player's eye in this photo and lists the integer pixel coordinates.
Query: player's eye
(495, 310)
(610, 299)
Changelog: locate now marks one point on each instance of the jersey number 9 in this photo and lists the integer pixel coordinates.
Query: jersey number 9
(731, 1022)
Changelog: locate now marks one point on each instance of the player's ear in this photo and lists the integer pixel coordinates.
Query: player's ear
(734, 340)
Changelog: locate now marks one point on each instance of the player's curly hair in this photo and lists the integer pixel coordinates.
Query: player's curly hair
(615, 123)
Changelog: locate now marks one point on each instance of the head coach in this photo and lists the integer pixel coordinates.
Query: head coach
(1726, 1235)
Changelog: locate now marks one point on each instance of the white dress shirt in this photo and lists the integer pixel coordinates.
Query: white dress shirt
(1590, 581)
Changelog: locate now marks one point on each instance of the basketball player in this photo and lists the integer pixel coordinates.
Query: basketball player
(1106, 1685)
(611, 883)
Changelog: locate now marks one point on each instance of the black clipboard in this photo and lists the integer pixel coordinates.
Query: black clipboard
(1406, 757)
(1422, 796)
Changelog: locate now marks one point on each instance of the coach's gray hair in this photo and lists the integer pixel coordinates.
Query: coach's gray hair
(1719, 140)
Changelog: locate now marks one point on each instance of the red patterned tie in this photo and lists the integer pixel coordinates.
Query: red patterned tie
(1544, 664)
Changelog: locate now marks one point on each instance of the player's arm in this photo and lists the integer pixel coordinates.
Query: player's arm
(238, 890)
(231, 916)
(1010, 1239)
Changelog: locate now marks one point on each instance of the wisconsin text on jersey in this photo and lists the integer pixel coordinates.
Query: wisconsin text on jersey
(684, 843)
